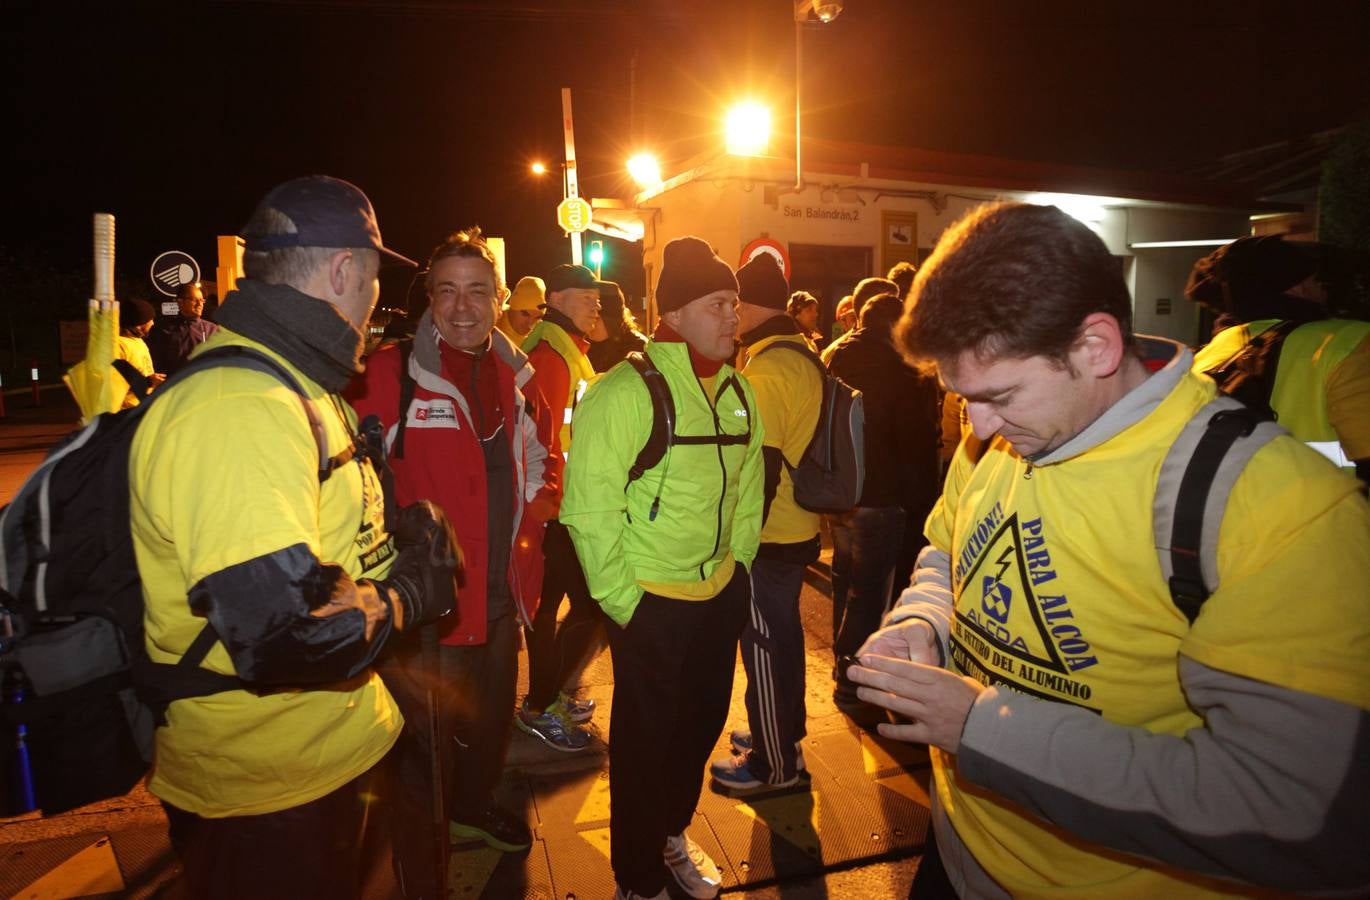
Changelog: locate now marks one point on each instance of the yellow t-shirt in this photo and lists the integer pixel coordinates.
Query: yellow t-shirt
(1059, 596)
(789, 397)
(135, 350)
(223, 470)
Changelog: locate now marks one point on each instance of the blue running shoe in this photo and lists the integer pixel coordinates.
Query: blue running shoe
(577, 710)
(735, 773)
(554, 730)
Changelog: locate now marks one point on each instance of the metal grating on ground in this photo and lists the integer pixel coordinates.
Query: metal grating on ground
(132, 862)
(865, 799)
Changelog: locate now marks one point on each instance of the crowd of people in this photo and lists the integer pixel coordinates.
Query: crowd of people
(995, 588)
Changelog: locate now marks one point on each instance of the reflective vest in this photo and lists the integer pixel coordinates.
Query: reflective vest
(577, 365)
(1311, 353)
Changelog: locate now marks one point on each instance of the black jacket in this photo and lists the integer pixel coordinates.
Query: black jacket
(903, 424)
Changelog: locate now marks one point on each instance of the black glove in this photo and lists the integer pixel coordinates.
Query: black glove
(425, 571)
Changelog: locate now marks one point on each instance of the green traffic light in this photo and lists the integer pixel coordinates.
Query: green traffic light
(596, 253)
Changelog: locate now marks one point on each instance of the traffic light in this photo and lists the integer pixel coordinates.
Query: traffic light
(596, 256)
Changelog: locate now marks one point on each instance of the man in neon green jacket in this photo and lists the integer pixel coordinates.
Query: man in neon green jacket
(668, 559)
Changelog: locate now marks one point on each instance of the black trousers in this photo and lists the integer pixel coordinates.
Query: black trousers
(930, 882)
(773, 655)
(476, 690)
(555, 654)
(307, 851)
(673, 681)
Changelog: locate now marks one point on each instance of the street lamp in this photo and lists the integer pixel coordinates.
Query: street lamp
(538, 168)
(645, 170)
(826, 11)
(747, 129)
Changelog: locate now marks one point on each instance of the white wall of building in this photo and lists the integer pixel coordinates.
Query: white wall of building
(729, 212)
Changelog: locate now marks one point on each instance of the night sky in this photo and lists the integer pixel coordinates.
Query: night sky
(177, 117)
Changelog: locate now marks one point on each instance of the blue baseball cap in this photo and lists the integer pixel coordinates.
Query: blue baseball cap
(327, 212)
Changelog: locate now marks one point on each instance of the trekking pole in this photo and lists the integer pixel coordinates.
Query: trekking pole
(429, 649)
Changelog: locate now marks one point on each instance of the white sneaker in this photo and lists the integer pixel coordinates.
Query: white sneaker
(621, 894)
(696, 874)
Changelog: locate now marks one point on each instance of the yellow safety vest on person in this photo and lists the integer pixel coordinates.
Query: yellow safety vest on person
(238, 440)
(1322, 384)
(577, 364)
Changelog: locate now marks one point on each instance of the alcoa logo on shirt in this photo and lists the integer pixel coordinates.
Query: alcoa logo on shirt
(1013, 624)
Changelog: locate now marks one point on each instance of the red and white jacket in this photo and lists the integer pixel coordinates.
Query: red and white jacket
(443, 462)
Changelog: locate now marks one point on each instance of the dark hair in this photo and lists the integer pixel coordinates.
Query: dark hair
(800, 301)
(881, 312)
(468, 243)
(1013, 280)
(867, 288)
(618, 318)
(901, 273)
(1247, 279)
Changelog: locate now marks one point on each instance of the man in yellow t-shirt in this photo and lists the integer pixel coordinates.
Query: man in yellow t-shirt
(1087, 739)
(789, 394)
(135, 321)
(265, 541)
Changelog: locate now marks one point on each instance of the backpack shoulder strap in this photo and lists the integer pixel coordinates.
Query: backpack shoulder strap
(1195, 481)
(138, 383)
(808, 354)
(407, 385)
(248, 358)
(663, 415)
(1249, 374)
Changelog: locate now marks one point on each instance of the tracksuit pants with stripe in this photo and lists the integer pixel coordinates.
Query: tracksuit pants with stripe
(773, 655)
(673, 683)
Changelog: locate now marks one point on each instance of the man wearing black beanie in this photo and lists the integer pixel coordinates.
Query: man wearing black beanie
(789, 393)
(668, 560)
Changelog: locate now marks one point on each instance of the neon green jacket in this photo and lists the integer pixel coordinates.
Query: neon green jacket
(696, 511)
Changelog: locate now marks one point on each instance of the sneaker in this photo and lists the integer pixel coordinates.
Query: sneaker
(741, 742)
(555, 732)
(498, 828)
(735, 773)
(690, 865)
(577, 710)
(621, 894)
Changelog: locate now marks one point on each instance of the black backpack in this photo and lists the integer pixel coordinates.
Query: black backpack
(71, 609)
(832, 472)
(830, 475)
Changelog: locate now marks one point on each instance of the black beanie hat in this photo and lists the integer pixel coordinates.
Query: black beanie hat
(134, 312)
(761, 283)
(689, 270)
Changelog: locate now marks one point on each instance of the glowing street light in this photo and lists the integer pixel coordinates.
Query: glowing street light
(747, 129)
(645, 170)
(538, 168)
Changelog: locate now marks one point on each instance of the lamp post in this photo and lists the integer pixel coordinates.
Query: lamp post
(825, 11)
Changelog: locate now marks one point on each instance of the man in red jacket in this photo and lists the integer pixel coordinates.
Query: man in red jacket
(472, 440)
